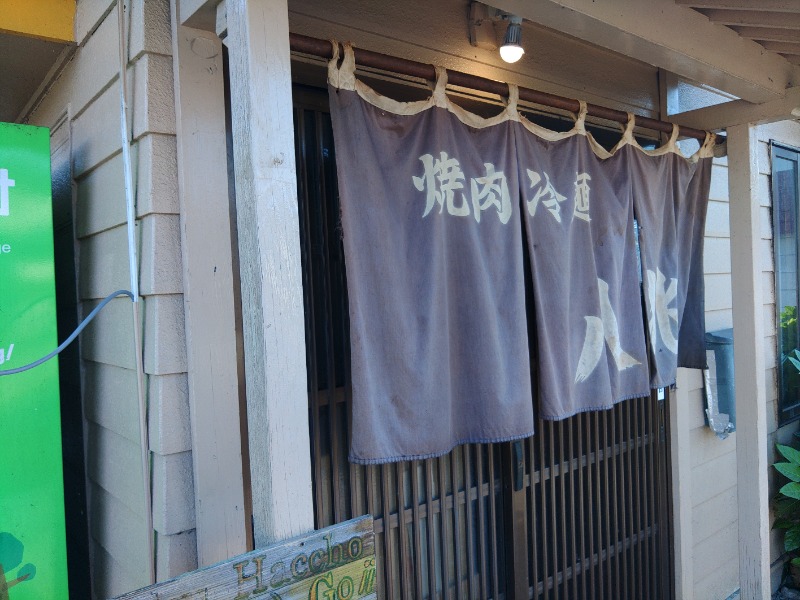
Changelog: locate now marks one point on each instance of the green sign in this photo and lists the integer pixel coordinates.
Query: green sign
(33, 556)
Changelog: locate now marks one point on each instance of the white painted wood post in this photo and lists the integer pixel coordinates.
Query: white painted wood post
(269, 254)
(751, 398)
(208, 294)
(682, 499)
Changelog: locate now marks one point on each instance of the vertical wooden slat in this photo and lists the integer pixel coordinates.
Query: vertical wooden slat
(613, 449)
(429, 529)
(553, 509)
(372, 503)
(609, 505)
(470, 528)
(416, 528)
(458, 542)
(624, 492)
(577, 565)
(581, 504)
(536, 472)
(514, 517)
(481, 522)
(652, 488)
(563, 470)
(633, 425)
(389, 562)
(546, 533)
(645, 487)
(406, 572)
(443, 519)
(493, 527)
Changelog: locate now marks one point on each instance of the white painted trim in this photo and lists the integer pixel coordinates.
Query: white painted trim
(669, 36)
(740, 112)
(270, 266)
(208, 293)
(680, 420)
(750, 380)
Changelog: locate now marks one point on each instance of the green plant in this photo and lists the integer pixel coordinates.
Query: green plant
(787, 505)
(790, 354)
(789, 327)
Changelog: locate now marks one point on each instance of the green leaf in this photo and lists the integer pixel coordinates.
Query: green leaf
(10, 551)
(782, 524)
(791, 540)
(789, 453)
(792, 490)
(787, 509)
(796, 561)
(789, 470)
(27, 572)
(795, 362)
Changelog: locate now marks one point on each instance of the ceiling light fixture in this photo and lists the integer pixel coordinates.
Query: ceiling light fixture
(511, 50)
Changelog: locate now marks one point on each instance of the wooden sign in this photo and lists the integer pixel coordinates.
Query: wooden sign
(337, 563)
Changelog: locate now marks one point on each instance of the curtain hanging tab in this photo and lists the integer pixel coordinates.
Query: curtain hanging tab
(439, 95)
(513, 99)
(580, 119)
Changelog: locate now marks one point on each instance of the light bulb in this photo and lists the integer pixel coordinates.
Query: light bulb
(511, 50)
(511, 53)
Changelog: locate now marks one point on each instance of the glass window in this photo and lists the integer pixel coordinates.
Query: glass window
(785, 198)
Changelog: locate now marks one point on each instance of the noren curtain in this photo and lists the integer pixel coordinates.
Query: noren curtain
(437, 206)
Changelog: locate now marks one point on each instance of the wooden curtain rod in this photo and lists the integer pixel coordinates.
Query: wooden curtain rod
(322, 48)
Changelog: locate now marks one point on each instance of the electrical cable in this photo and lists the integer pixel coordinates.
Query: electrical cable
(72, 337)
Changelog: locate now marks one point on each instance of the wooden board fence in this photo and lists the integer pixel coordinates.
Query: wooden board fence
(337, 563)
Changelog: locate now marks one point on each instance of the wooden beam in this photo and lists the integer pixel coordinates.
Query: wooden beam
(784, 47)
(749, 361)
(269, 253)
(760, 5)
(52, 20)
(739, 112)
(199, 14)
(754, 18)
(769, 34)
(208, 294)
(666, 35)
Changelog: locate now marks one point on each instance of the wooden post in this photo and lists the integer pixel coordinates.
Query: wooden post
(269, 253)
(208, 293)
(750, 379)
(681, 465)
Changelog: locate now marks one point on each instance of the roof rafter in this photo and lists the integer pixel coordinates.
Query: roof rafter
(754, 18)
(790, 6)
(739, 112)
(767, 34)
(668, 36)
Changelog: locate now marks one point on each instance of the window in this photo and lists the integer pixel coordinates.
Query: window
(785, 201)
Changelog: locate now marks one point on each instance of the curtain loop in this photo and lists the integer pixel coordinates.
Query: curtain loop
(707, 149)
(580, 118)
(343, 77)
(333, 64)
(439, 95)
(672, 143)
(512, 110)
(627, 133)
